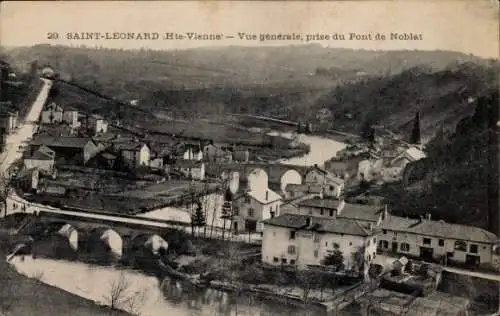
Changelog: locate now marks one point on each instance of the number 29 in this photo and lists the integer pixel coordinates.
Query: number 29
(52, 35)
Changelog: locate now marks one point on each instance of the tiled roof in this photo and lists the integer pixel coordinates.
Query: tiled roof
(185, 163)
(69, 142)
(128, 146)
(328, 175)
(260, 196)
(320, 224)
(361, 212)
(321, 203)
(42, 153)
(305, 188)
(438, 229)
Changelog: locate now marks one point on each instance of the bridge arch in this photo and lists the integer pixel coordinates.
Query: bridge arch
(150, 241)
(290, 176)
(108, 239)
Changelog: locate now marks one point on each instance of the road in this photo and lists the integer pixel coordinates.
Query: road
(475, 274)
(24, 132)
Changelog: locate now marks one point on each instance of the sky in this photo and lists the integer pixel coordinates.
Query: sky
(457, 25)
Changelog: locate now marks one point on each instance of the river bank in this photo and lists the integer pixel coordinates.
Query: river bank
(21, 295)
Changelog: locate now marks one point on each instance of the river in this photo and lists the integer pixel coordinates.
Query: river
(169, 297)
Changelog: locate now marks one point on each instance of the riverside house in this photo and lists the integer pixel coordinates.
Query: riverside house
(77, 150)
(437, 240)
(332, 185)
(253, 207)
(134, 154)
(304, 240)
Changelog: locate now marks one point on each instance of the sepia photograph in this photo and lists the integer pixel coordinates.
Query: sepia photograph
(241, 158)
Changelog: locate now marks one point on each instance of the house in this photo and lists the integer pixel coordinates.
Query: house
(335, 208)
(28, 179)
(134, 154)
(192, 154)
(192, 169)
(332, 185)
(293, 190)
(156, 161)
(70, 117)
(42, 158)
(304, 240)
(409, 155)
(8, 121)
(241, 155)
(78, 150)
(52, 114)
(252, 207)
(437, 240)
(97, 124)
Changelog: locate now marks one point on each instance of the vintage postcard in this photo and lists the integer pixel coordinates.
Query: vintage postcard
(263, 158)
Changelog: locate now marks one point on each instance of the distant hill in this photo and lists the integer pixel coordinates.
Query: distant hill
(292, 82)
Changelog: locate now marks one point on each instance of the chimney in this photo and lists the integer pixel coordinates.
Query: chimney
(267, 195)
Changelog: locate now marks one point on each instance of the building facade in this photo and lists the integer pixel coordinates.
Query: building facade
(134, 155)
(302, 240)
(52, 114)
(192, 169)
(43, 159)
(70, 117)
(437, 240)
(332, 185)
(253, 207)
(8, 122)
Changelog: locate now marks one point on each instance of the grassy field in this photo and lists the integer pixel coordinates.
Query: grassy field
(22, 296)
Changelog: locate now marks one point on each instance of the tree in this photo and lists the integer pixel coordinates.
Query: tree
(306, 280)
(120, 296)
(299, 128)
(227, 209)
(335, 258)
(198, 218)
(5, 190)
(415, 133)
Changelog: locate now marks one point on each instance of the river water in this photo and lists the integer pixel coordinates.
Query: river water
(168, 297)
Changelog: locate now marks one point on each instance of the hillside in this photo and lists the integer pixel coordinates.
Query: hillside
(293, 82)
(459, 182)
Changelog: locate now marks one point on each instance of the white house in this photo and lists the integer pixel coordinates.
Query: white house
(192, 154)
(43, 159)
(52, 114)
(332, 185)
(8, 121)
(428, 239)
(192, 169)
(252, 207)
(304, 240)
(134, 155)
(70, 117)
(97, 124)
(409, 155)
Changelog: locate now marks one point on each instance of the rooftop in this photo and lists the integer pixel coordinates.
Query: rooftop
(129, 146)
(52, 141)
(438, 229)
(260, 196)
(321, 203)
(320, 224)
(42, 153)
(328, 175)
(305, 188)
(361, 212)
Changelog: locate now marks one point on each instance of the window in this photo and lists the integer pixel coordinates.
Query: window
(283, 260)
(384, 244)
(350, 243)
(384, 231)
(427, 241)
(368, 243)
(473, 248)
(236, 211)
(291, 250)
(292, 234)
(275, 259)
(316, 254)
(374, 240)
(441, 242)
(271, 209)
(394, 234)
(247, 199)
(251, 212)
(292, 261)
(272, 214)
(331, 213)
(460, 245)
(332, 188)
(321, 211)
(369, 258)
(449, 254)
(326, 244)
(405, 247)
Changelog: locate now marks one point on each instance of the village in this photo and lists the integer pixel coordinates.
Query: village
(300, 223)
